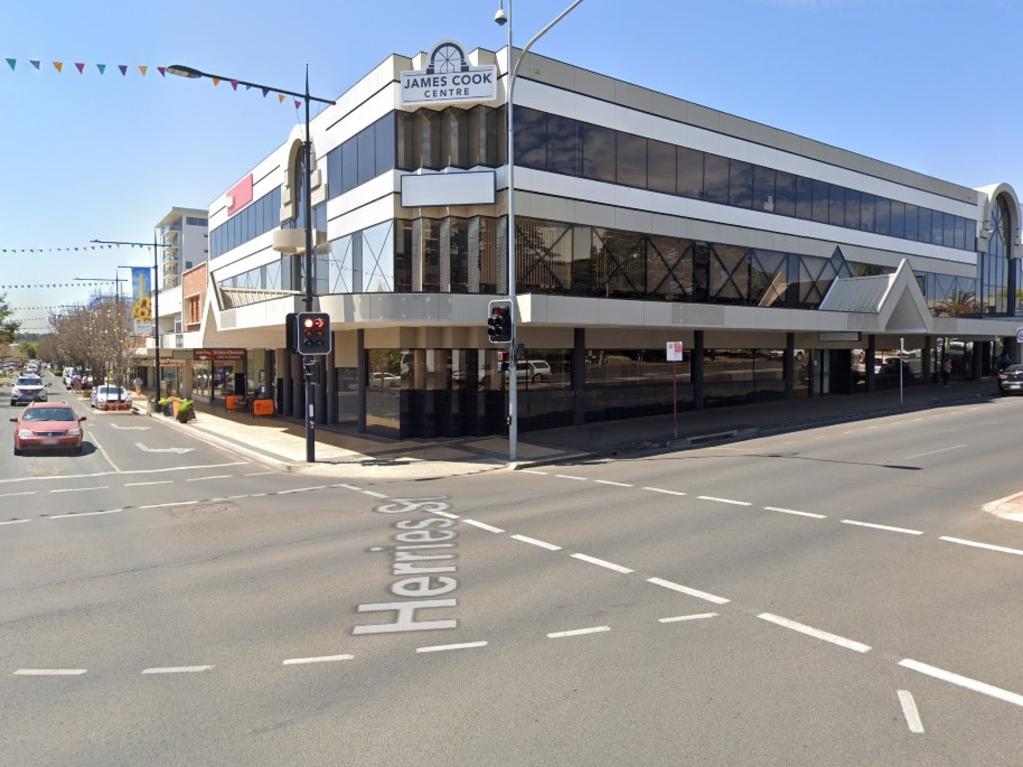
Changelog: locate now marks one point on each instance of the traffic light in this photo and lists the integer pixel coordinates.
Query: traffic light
(503, 361)
(499, 322)
(314, 336)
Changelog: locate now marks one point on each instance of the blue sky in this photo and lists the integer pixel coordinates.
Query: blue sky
(927, 84)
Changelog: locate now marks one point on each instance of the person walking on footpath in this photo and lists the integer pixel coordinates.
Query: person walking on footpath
(1003, 361)
(946, 371)
(136, 383)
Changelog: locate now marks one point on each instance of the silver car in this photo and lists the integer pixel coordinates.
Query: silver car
(28, 389)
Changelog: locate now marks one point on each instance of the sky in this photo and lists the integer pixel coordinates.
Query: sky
(926, 84)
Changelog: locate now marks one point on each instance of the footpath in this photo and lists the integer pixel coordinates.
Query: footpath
(280, 442)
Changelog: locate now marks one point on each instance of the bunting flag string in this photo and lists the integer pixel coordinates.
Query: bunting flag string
(77, 248)
(45, 285)
(39, 308)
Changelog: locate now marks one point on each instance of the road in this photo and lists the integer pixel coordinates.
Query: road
(828, 597)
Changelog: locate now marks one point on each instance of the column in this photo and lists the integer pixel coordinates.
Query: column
(579, 377)
(320, 389)
(278, 379)
(363, 378)
(186, 379)
(868, 362)
(926, 359)
(286, 366)
(330, 385)
(978, 360)
(789, 364)
(696, 369)
(297, 387)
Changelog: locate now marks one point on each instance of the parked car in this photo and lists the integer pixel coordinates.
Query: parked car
(107, 394)
(28, 389)
(537, 371)
(48, 426)
(384, 380)
(1010, 380)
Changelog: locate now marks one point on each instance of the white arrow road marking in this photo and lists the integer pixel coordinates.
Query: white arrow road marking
(129, 428)
(910, 711)
(176, 450)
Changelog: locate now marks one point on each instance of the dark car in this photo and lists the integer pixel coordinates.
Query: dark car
(48, 426)
(1010, 380)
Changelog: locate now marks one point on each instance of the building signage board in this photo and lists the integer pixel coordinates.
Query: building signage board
(141, 295)
(219, 355)
(449, 78)
(142, 328)
(675, 350)
(1019, 335)
(172, 362)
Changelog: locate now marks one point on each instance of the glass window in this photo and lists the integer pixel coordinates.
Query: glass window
(912, 221)
(367, 154)
(689, 172)
(785, 194)
(924, 231)
(740, 183)
(763, 188)
(715, 178)
(729, 275)
(937, 223)
(455, 138)
(669, 268)
(949, 236)
(349, 165)
(852, 208)
(898, 219)
(883, 216)
(530, 138)
(564, 145)
(836, 205)
(820, 201)
(599, 153)
(426, 140)
(405, 127)
(867, 204)
(661, 166)
(804, 198)
(384, 129)
(631, 160)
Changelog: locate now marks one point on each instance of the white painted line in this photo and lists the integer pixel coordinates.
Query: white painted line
(49, 672)
(483, 526)
(258, 495)
(686, 590)
(212, 476)
(300, 490)
(87, 514)
(696, 617)
(810, 631)
(446, 514)
(129, 471)
(963, 681)
(259, 473)
(444, 647)
(979, 545)
(570, 476)
(104, 453)
(348, 487)
(78, 489)
(613, 484)
(888, 528)
(168, 505)
(145, 484)
(11, 495)
(723, 500)
(236, 497)
(534, 471)
(662, 490)
(176, 669)
(793, 511)
(578, 632)
(318, 659)
(602, 563)
(15, 521)
(933, 452)
(375, 495)
(535, 542)
(909, 710)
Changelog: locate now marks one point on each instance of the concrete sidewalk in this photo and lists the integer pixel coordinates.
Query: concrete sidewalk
(280, 442)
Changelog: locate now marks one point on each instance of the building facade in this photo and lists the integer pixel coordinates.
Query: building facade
(787, 267)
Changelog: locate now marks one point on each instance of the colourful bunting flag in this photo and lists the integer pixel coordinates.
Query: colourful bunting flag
(297, 103)
(265, 91)
(216, 81)
(80, 66)
(58, 65)
(280, 97)
(12, 63)
(34, 63)
(102, 68)
(143, 69)
(234, 85)
(123, 68)
(162, 71)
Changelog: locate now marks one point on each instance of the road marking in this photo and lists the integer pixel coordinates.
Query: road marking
(78, 489)
(300, 490)
(95, 474)
(104, 453)
(236, 497)
(168, 505)
(212, 476)
(662, 490)
(933, 452)
(802, 628)
(602, 563)
(535, 542)
(570, 476)
(686, 590)
(444, 647)
(373, 494)
(175, 450)
(979, 545)
(49, 672)
(129, 428)
(86, 514)
(176, 669)
(963, 681)
(723, 500)
(348, 487)
(156, 482)
(696, 617)
(909, 710)
(534, 471)
(11, 495)
(317, 659)
(613, 484)
(483, 526)
(578, 632)
(258, 473)
(258, 495)
(446, 514)
(888, 528)
(793, 511)
(15, 521)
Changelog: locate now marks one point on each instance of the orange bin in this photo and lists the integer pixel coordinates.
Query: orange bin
(263, 407)
(231, 401)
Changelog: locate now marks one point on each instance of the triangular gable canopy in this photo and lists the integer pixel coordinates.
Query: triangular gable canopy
(895, 299)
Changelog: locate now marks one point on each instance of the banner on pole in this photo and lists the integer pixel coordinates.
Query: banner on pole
(141, 298)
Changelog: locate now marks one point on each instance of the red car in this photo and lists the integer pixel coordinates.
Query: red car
(48, 426)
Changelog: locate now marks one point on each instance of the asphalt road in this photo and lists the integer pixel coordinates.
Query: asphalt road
(830, 597)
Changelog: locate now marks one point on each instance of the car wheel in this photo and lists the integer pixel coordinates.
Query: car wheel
(18, 452)
(537, 378)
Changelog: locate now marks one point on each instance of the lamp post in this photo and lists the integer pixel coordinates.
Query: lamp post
(501, 19)
(190, 72)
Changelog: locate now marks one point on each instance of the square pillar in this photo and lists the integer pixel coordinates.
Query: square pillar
(978, 360)
(789, 364)
(696, 369)
(287, 366)
(362, 374)
(868, 362)
(297, 387)
(320, 389)
(330, 385)
(926, 359)
(579, 377)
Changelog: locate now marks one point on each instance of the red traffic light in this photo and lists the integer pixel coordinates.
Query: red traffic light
(308, 322)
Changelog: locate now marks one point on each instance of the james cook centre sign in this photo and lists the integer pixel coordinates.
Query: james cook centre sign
(449, 78)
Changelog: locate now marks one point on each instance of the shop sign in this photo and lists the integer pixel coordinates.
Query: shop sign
(449, 78)
(219, 355)
(675, 351)
(1019, 335)
(172, 362)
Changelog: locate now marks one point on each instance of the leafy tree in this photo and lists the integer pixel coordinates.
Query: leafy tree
(8, 325)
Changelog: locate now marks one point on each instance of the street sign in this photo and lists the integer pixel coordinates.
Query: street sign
(675, 350)
(1019, 335)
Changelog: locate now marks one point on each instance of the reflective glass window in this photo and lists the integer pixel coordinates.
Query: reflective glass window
(455, 138)
(912, 222)
(427, 144)
(729, 275)
(599, 153)
(530, 138)
(689, 173)
(937, 227)
(924, 230)
(715, 178)
(349, 165)
(740, 183)
(384, 130)
(836, 205)
(367, 154)
(405, 128)
(804, 198)
(949, 235)
(631, 160)
(669, 268)
(898, 219)
(661, 166)
(883, 215)
(852, 208)
(564, 145)
(763, 188)
(867, 205)
(820, 201)
(785, 194)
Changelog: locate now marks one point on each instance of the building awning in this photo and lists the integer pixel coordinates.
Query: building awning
(895, 300)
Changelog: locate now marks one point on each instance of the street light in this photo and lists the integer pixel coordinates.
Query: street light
(505, 19)
(192, 74)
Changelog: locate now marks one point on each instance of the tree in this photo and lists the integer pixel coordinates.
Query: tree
(8, 326)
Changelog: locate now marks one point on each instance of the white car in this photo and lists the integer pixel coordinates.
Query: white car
(28, 389)
(107, 395)
(537, 371)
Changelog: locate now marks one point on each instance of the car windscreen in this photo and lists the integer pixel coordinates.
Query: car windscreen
(49, 414)
(26, 381)
(108, 390)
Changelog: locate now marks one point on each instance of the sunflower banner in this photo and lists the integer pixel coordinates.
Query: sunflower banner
(141, 306)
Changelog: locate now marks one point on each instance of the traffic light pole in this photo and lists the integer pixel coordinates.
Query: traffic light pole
(310, 407)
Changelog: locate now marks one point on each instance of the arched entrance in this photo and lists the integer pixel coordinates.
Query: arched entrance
(998, 273)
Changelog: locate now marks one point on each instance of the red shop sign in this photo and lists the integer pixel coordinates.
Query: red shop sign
(219, 355)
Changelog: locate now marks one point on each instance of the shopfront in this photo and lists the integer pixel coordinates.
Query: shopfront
(219, 372)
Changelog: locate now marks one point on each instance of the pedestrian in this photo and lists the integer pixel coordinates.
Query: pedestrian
(76, 382)
(1003, 361)
(946, 371)
(136, 383)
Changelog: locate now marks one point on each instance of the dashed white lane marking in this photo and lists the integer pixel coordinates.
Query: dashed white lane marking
(602, 563)
(87, 514)
(212, 476)
(12, 495)
(578, 632)
(446, 514)
(445, 647)
(301, 490)
(963, 681)
(483, 526)
(662, 490)
(236, 497)
(887, 528)
(570, 476)
(155, 482)
(723, 500)
(317, 659)
(176, 669)
(909, 710)
(810, 631)
(536, 542)
(168, 505)
(49, 672)
(258, 495)
(793, 511)
(78, 489)
(695, 617)
(258, 473)
(686, 590)
(128, 471)
(612, 483)
(104, 453)
(979, 545)
(346, 486)
(933, 452)
(373, 494)
(15, 521)
(534, 471)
